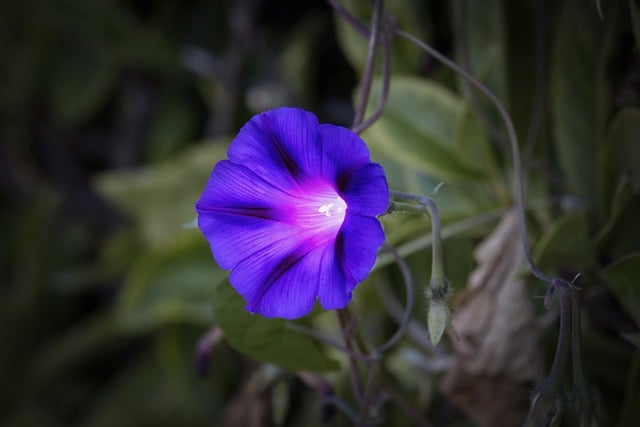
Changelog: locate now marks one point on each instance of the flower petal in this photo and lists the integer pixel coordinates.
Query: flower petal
(343, 152)
(233, 238)
(235, 186)
(357, 246)
(292, 213)
(277, 284)
(334, 290)
(279, 143)
(237, 213)
(366, 192)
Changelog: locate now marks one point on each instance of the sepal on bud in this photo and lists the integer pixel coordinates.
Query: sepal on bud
(438, 312)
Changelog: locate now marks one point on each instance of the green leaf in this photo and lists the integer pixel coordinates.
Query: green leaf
(576, 95)
(170, 285)
(566, 244)
(428, 128)
(630, 413)
(485, 45)
(624, 237)
(161, 198)
(624, 279)
(619, 200)
(268, 340)
(620, 155)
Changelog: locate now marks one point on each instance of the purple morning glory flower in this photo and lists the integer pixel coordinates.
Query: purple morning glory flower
(292, 213)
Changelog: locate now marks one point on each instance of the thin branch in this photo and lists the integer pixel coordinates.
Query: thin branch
(388, 29)
(352, 20)
(370, 64)
(406, 316)
(548, 399)
(353, 371)
(415, 330)
(368, 394)
(431, 207)
(561, 288)
(330, 342)
(579, 381)
(343, 406)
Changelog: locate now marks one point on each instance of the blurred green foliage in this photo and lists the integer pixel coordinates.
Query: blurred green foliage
(114, 113)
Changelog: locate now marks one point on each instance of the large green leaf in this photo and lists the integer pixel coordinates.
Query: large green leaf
(485, 49)
(577, 89)
(566, 244)
(160, 198)
(428, 128)
(620, 155)
(170, 285)
(624, 279)
(268, 340)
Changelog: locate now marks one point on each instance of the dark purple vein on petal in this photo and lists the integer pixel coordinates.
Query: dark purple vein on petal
(262, 213)
(341, 257)
(278, 271)
(289, 163)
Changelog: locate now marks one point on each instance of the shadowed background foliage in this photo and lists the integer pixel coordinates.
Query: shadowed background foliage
(114, 112)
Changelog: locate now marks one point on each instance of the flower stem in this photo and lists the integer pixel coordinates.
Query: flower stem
(343, 406)
(438, 316)
(406, 316)
(387, 31)
(426, 204)
(576, 342)
(585, 399)
(564, 334)
(352, 20)
(368, 394)
(330, 342)
(343, 316)
(513, 141)
(547, 403)
(367, 78)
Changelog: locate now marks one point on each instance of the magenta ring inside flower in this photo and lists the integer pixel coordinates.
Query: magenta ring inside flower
(293, 213)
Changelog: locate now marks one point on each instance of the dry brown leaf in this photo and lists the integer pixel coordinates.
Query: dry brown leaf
(498, 358)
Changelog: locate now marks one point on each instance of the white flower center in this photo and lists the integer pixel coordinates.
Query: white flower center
(335, 208)
(319, 214)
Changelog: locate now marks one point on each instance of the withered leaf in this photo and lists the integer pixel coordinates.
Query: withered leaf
(498, 358)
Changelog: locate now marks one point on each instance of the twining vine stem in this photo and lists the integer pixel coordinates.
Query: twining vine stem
(569, 305)
(511, 133)
(367, 77)
(513, 141)
(387, 30)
